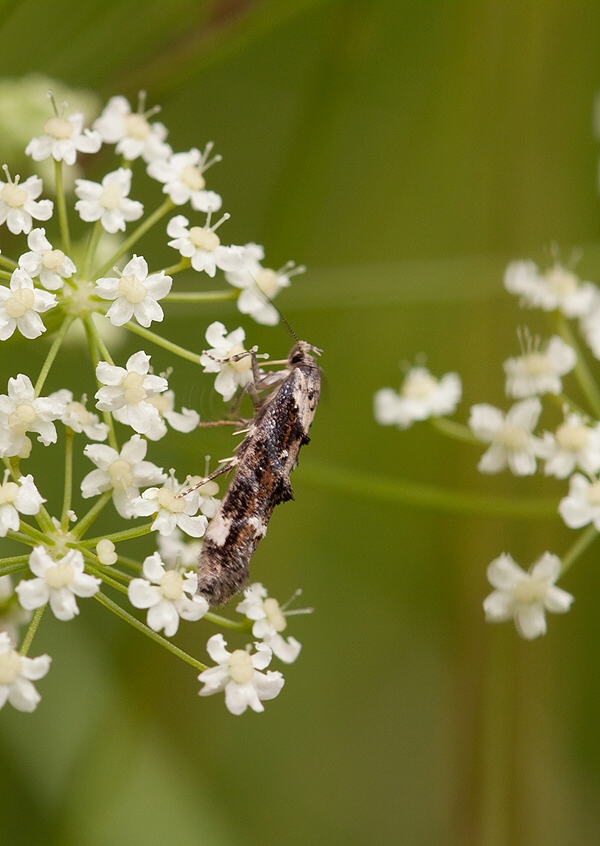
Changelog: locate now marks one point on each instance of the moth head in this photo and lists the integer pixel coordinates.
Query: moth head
(300, 352)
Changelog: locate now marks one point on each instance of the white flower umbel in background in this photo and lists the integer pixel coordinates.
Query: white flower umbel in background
(21, 412)
(17, 674)
(202, 245)
(539, 370)
(172, 509)
(131, 131)
(178, 552)
(185, 420)
(64, 137)
(225, 347)
(168, 595)
(135, 293)
(239, 674)
(108, 202)
(183, 177)
(123, 472)
(556, 288)
(575, 443)
(421, 396)
(77, 418)
(127, 389)
(12, 615)
(269, 622)
(21, 305)
(51, 266)
(58, 582)
(582, 505)
(17, 497)
(18, 206)
(513, 443)
(525, 597)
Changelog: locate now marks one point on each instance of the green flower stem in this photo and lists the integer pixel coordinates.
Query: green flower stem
(5, 274)
(135, 236)
(455, 430)
(91, 334)
(33, 626)
(13, 565)
(562, 399)
(200, 296)
(22, 538)
(176, 268)
(117, 537)
(52, 352)
(38, 537)
(579, 547)
(86, 521)
(101, 346)
(131, 563)
(68, 488)
(162, 342)
(100, 573)
(91, 248)
(62, 208)
(368, 487)
(224, 622)
(141, 627)
(7, 262)
(585, 378)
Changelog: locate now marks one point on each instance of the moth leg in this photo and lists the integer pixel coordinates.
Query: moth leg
(226, 468)
(250, 389)
(209, 424)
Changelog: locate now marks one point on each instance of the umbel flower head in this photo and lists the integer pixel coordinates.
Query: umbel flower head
(421, 396)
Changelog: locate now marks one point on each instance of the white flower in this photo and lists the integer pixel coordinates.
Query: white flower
(421, 396)
(163, 593)
(582, 505)
(270, 622)
(108, 202)
(176, 553)
(52, 266)
(12, 616)
(127, 390)
(539, 371)
(63, 139)
(124, 472)
(253, 278)
(106, 552)
(202, 245)
(208, 502)
(231, 374)
(182, 174)
(18, 206)
(185, 420)
(57, 582)
(78, 418)
(525, 597)
(556, 288)
(590, 327)
(20, 412)
(238, 674)
(510, 436)
(131, 131)
(574, 444)
(23, 497)
(20, 306)
(171, 509)
(16, 674)
(134, 293)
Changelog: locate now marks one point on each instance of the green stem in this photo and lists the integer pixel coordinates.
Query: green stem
(579, 547)
(33, 626)
(91, 335)
(200, 296)
(52, 353)
(131, 563)
(17, 536)
(91, 248)
(226, 623)
(68, 488)
(135, 236)
(86, 521)
(62, 208)
(176, 268)
(5, 274)
(162, 342)
(455, 430)
(124, 615)
(93, 330)
(14, 564)
(584, 376)
(38, 537)
(101, 574)
(117, 537)
(7, 262)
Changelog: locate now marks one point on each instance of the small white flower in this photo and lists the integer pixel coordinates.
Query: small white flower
(131, 131)
(108, 202)
(269, 622)
(231, 374)
(20, 306)
(20, 412)
(539, 370)
(510, 436)
(106, 552)
(421, 396)
(23, 497)
(78, 418)
(63, 139)
(163, 593)
(18, 204)
(253, 278)
(176, 553)
(202, 245)
(556, 288)
(16, 674)
(238, 674)
(185, 420)
(171, 509)
(134, 293)
(57, 582)
(127, 391)
(574, 444)
(590, 327)
(582, 505)
(208, 502)
(12, 616)
(51, 266)
(124, 472)
(183, 175)
(525, 597)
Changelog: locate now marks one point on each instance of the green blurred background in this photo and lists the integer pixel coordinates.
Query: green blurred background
(404, 152)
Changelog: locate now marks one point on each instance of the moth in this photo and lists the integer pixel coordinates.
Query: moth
(263, 463)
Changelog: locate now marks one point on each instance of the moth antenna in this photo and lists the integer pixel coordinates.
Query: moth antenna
(284, 319)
